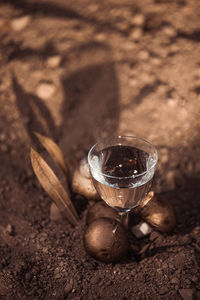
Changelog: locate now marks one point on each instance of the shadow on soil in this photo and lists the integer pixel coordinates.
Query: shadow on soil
(91, 98)
(34, 113)
(47, 9)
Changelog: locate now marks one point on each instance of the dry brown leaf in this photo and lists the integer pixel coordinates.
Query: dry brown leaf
(54, 150)
(53, 187)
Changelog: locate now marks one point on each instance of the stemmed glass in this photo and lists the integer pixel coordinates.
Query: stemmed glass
(122, 169)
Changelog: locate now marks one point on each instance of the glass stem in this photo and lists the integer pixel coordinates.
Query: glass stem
(124, 219)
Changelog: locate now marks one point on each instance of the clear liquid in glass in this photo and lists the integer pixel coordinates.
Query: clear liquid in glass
(121, 176)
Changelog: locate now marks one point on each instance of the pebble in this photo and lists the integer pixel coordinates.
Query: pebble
(138, 20)
(54, 61)
(156, 61)
(10, 229)
(18, 24)
(133, 82)
(186, 294)
(45, 90)
(55, 214)
(143, 55)
(147, 79)
(45, 250)
(169, 31)
(101, 36)
(171, 102)
(136, 34)
(141, 230)
(174, 280)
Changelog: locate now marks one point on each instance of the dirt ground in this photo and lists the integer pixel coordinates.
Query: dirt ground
(78, 71)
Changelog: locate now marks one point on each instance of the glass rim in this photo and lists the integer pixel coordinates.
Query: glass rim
(118, 137)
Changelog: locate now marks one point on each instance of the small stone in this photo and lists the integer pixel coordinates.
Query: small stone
(143, 55)
(136, 34)
(101, 36)
(147, 78)
(18, 24)
(45, 90)
(175, 280)
(171, 102)
(169, 31)
(54, 61)
(45, 250)
(55, 214)
(186, 294)
(93, 7)
(138, 20)
(141, 230)
(156, 61)
(10, 229)
(133, 82)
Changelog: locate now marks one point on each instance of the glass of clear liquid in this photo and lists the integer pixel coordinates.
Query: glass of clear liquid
(122, 169)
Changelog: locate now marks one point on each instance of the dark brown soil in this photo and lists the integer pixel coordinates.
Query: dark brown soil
(78, 71)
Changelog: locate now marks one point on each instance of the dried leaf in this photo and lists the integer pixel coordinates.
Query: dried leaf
(53, 187)
(54, 150)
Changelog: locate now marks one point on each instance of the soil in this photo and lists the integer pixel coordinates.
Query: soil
(78, 71)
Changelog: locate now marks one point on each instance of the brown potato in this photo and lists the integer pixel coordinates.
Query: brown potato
(106, 240)
(101, 210)
(159, 213)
